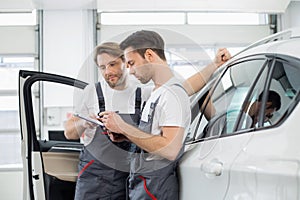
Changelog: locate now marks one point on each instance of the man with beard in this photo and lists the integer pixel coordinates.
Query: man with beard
(104, 165)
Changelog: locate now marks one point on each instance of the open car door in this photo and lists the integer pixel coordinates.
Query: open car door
(49, 160)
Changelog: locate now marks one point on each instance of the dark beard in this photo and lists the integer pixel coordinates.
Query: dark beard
(112, 85)
(119, 82)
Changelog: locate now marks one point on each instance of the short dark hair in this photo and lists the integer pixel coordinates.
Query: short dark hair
(142, 40)
(111, 48)
(274, 98)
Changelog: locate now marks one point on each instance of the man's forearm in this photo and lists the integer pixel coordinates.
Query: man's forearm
(197, 81)
(156, 144)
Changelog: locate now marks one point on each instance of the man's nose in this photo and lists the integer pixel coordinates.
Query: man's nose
(107, 70)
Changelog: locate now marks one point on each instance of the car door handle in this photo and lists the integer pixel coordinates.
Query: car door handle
(212, 168)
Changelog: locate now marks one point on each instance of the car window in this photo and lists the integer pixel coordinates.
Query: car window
(268, 108)
(249, 113)
(286, 83)
(228, 96)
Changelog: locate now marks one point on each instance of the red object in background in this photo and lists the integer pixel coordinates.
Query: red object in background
(69, 115)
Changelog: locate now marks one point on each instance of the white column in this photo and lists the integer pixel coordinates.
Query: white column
(67, 42)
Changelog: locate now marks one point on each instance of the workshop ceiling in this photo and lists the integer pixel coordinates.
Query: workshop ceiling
(257, 6)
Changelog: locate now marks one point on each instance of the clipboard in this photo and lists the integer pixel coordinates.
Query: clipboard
(94, 121)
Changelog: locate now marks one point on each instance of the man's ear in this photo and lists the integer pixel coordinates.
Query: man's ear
(149, 55)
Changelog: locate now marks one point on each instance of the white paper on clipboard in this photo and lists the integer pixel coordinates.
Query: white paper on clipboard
(94, 121)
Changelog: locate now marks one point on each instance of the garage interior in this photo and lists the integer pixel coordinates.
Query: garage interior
(59, 36)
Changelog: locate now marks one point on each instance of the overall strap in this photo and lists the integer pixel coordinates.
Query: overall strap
(101, 101)
(100, 97)
(152, 111)
(147, 126)
(138, 100)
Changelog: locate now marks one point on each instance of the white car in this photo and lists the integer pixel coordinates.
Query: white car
(231, 156)
(231, 153)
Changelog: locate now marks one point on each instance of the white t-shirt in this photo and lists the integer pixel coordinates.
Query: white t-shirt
(122, 101)
(172, 109)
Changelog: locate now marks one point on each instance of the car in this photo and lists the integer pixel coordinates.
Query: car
(225, 156)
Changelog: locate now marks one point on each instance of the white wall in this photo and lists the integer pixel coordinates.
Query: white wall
(67, 40)
(11, 183)
(291, 18)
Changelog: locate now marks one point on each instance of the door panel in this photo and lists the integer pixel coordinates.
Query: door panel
(205, 169)
(61, 165)
(50, 161)
(271, 159)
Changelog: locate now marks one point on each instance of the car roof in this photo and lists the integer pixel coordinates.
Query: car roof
(285, 42)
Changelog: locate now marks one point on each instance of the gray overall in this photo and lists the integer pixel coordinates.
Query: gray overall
(104, 165)
(152, 179)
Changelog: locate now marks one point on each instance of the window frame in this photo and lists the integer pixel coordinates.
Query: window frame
(270, 60)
